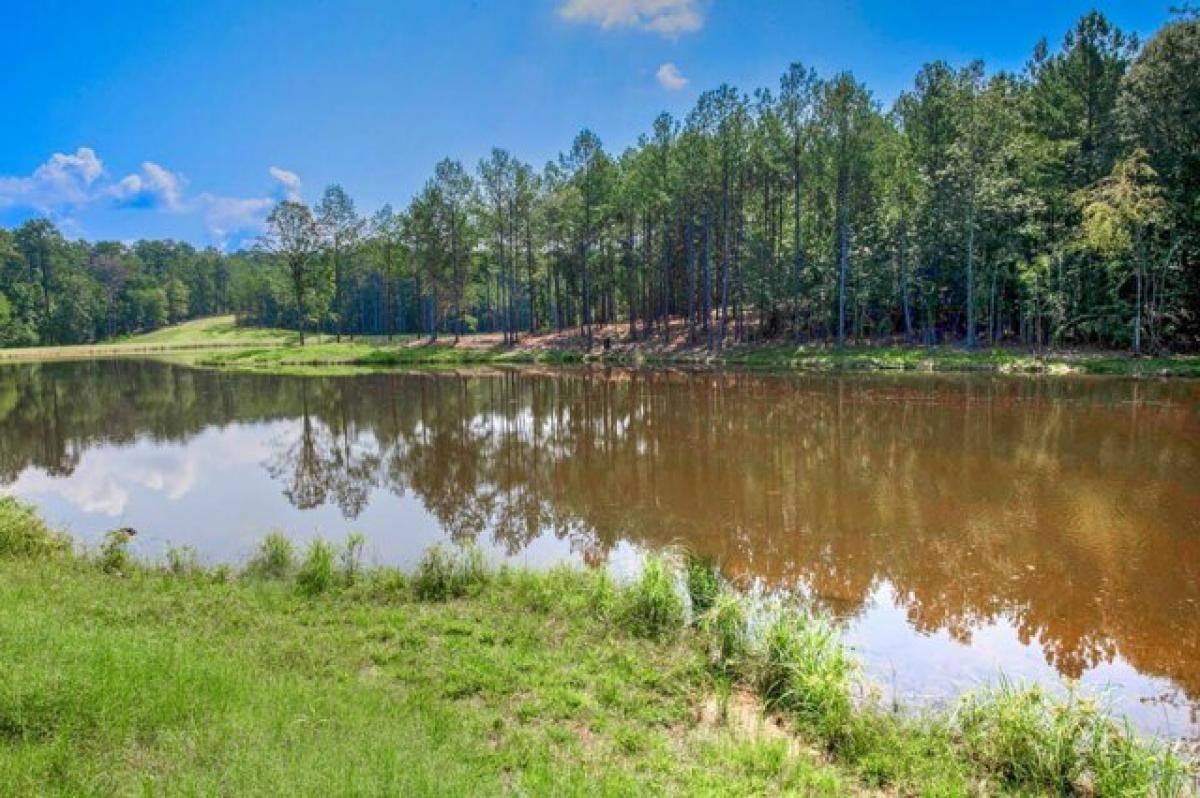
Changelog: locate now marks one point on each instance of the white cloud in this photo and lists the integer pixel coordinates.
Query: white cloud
(289, 183)
(670, 78)
(66, 185)
(226, 217)
(153, 187)
(668, 17)
(63, 181)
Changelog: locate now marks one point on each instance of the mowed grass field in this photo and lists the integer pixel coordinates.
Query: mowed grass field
(199, 334)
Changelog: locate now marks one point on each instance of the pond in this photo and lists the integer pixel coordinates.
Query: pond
(962, 526)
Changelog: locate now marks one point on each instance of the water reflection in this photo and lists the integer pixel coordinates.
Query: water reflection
(1062, 513)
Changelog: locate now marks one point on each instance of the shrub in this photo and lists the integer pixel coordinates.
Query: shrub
(23, 534)
(316, 572)
(443, 574)
(274, 559)
(114, 551)
(651, 607)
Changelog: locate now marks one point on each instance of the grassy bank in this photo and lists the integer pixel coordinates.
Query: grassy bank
(218, 332)
(221, 343)
(309, 673)
(352, 355)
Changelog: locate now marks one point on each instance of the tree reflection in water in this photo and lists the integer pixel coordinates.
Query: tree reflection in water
(1069, 508)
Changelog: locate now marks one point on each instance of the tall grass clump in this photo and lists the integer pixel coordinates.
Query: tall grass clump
(806, 671)
(352, 557)
(316, 571)
(24, 534)
(726, 630)
(703, 582)
(442, 575)
(602, 596)
(1031, 740)
(275, 558)
(651, 606)
(183, 561)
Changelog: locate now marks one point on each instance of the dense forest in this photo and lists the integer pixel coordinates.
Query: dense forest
(1055, 206)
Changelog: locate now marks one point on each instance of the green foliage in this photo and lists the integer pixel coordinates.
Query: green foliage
(652, 606)
(24, 534)
(183, 561)
(275, 558)
(448, 574)
(703, 582)
(351, 557)
(205, 672)
(726, 628)
(316, 573)
(114, 556)
(806, 671)
(1033, 741)
(947, 217)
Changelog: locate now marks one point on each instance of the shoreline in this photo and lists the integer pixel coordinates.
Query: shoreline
(220, 342)
(350, 356)
(554, 679)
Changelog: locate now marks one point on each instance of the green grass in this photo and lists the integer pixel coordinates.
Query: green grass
(328, 678)
(951, 359)
(217, 332)
(220, 343)
(329, 357)
(220, 330)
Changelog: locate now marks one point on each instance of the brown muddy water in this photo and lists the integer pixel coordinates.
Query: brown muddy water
(962, 526)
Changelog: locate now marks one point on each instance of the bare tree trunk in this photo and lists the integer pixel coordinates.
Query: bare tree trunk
(843, 247)
(724, 262)
(691, 281)
(971, 274)
(797, 241)
(904, 294)
(629, 276)
(708, 286)
(529, 269)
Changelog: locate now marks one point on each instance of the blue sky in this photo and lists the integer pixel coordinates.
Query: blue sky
(127, 119)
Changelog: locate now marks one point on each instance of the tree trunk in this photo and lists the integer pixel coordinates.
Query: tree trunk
(843, 247)
(708, 286)
(908, 324)
(971, 274)
(797, 241)
(629, 276)
(691, 281)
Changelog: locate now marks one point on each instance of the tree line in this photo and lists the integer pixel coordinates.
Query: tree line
(1053, 206)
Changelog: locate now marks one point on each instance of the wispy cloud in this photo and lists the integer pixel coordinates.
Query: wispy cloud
(289, 183)
(153, 187)
(667, 17)
(66, 185)
(228, 217)
(670, 78)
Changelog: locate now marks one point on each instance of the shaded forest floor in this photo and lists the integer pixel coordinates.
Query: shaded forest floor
(220, 342)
